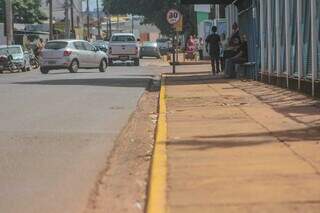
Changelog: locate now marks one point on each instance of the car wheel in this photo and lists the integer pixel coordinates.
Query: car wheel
(44, 70)
(74, 66)
(141, 57)
(136, 62)
(103, 66)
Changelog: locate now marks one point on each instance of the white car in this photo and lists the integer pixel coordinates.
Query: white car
(71, 55)
(124, 47)
(20, 59)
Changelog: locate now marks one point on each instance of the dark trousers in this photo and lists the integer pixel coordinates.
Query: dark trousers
(215, 63)
(201, 54)
(230, 65)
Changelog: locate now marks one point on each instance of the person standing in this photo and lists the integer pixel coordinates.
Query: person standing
(39, 47)
(200, 48)
(213, 42)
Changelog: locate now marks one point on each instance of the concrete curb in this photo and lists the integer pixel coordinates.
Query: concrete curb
(192, 63)
(157, 197)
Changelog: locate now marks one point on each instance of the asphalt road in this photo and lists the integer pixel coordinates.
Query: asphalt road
(57, 130)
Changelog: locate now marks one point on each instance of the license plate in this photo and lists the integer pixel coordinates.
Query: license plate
(52, 62)
(124, 57)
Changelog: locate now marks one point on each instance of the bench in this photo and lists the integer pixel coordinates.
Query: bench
(245, 70)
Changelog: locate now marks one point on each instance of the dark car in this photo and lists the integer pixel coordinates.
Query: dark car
(149, 49)
(101, 45)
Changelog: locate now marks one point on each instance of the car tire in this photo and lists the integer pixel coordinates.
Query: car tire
(141, 57)
(103, 65)
(74, 66)
(44, 70)
(136, 62)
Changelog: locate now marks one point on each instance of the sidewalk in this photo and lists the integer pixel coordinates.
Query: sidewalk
(237, 146)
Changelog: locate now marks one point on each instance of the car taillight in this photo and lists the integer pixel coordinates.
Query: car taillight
(110, 50)
(67, 53)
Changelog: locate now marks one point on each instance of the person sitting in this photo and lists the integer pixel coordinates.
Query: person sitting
(233, 43)
(191, 48)
(240, 58)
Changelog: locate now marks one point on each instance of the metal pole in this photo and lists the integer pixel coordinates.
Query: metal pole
(269, 40)
(9, 22)
(263, 37)
(132, 24)
(314, 40)
(88, 21)
(72, 21)
(174, 55)
(50, 21)
(98, 17)
(300, 41)
(66, 21)
(288, 40)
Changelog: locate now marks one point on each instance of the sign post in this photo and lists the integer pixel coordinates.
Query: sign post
(173, 17)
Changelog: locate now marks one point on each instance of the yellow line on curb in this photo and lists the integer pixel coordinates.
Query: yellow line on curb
(158, 179)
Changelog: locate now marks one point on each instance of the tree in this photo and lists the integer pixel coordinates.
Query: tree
(25, 11)
(154, 12)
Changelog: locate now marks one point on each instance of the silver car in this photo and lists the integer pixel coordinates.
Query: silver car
(72, 55)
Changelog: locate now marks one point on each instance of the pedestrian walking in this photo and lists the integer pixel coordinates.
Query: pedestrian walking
(214, 43)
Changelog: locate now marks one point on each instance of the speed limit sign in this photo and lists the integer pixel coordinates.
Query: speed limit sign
(173, 16)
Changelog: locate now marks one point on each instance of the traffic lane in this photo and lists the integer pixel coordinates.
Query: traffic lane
(56, 132)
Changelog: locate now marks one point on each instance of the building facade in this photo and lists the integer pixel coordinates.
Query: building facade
(284, 40)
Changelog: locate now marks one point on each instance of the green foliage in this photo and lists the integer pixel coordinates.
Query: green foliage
(24, 11)
(154, 12)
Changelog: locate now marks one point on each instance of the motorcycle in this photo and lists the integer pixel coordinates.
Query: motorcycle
(6, 63)
(34, 62)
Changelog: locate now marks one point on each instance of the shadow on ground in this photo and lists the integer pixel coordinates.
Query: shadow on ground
(149, 83)
(249, 139)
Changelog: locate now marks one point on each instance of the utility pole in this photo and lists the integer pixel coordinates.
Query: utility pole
(72, 21)
(132, 24)
(88, 21)
(50, 21)
(9, 22)
(66, 19)
(98, 17)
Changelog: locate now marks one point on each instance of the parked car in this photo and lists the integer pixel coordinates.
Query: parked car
(19, 59)
(72, 55)
(124, 47)
(102, 45)
(149, 49)
(164, 45)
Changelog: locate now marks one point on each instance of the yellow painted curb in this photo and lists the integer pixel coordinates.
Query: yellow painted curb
(158, 179)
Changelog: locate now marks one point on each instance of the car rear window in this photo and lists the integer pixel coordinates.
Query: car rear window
(149, 44)
(123, 38)
(56, 45)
